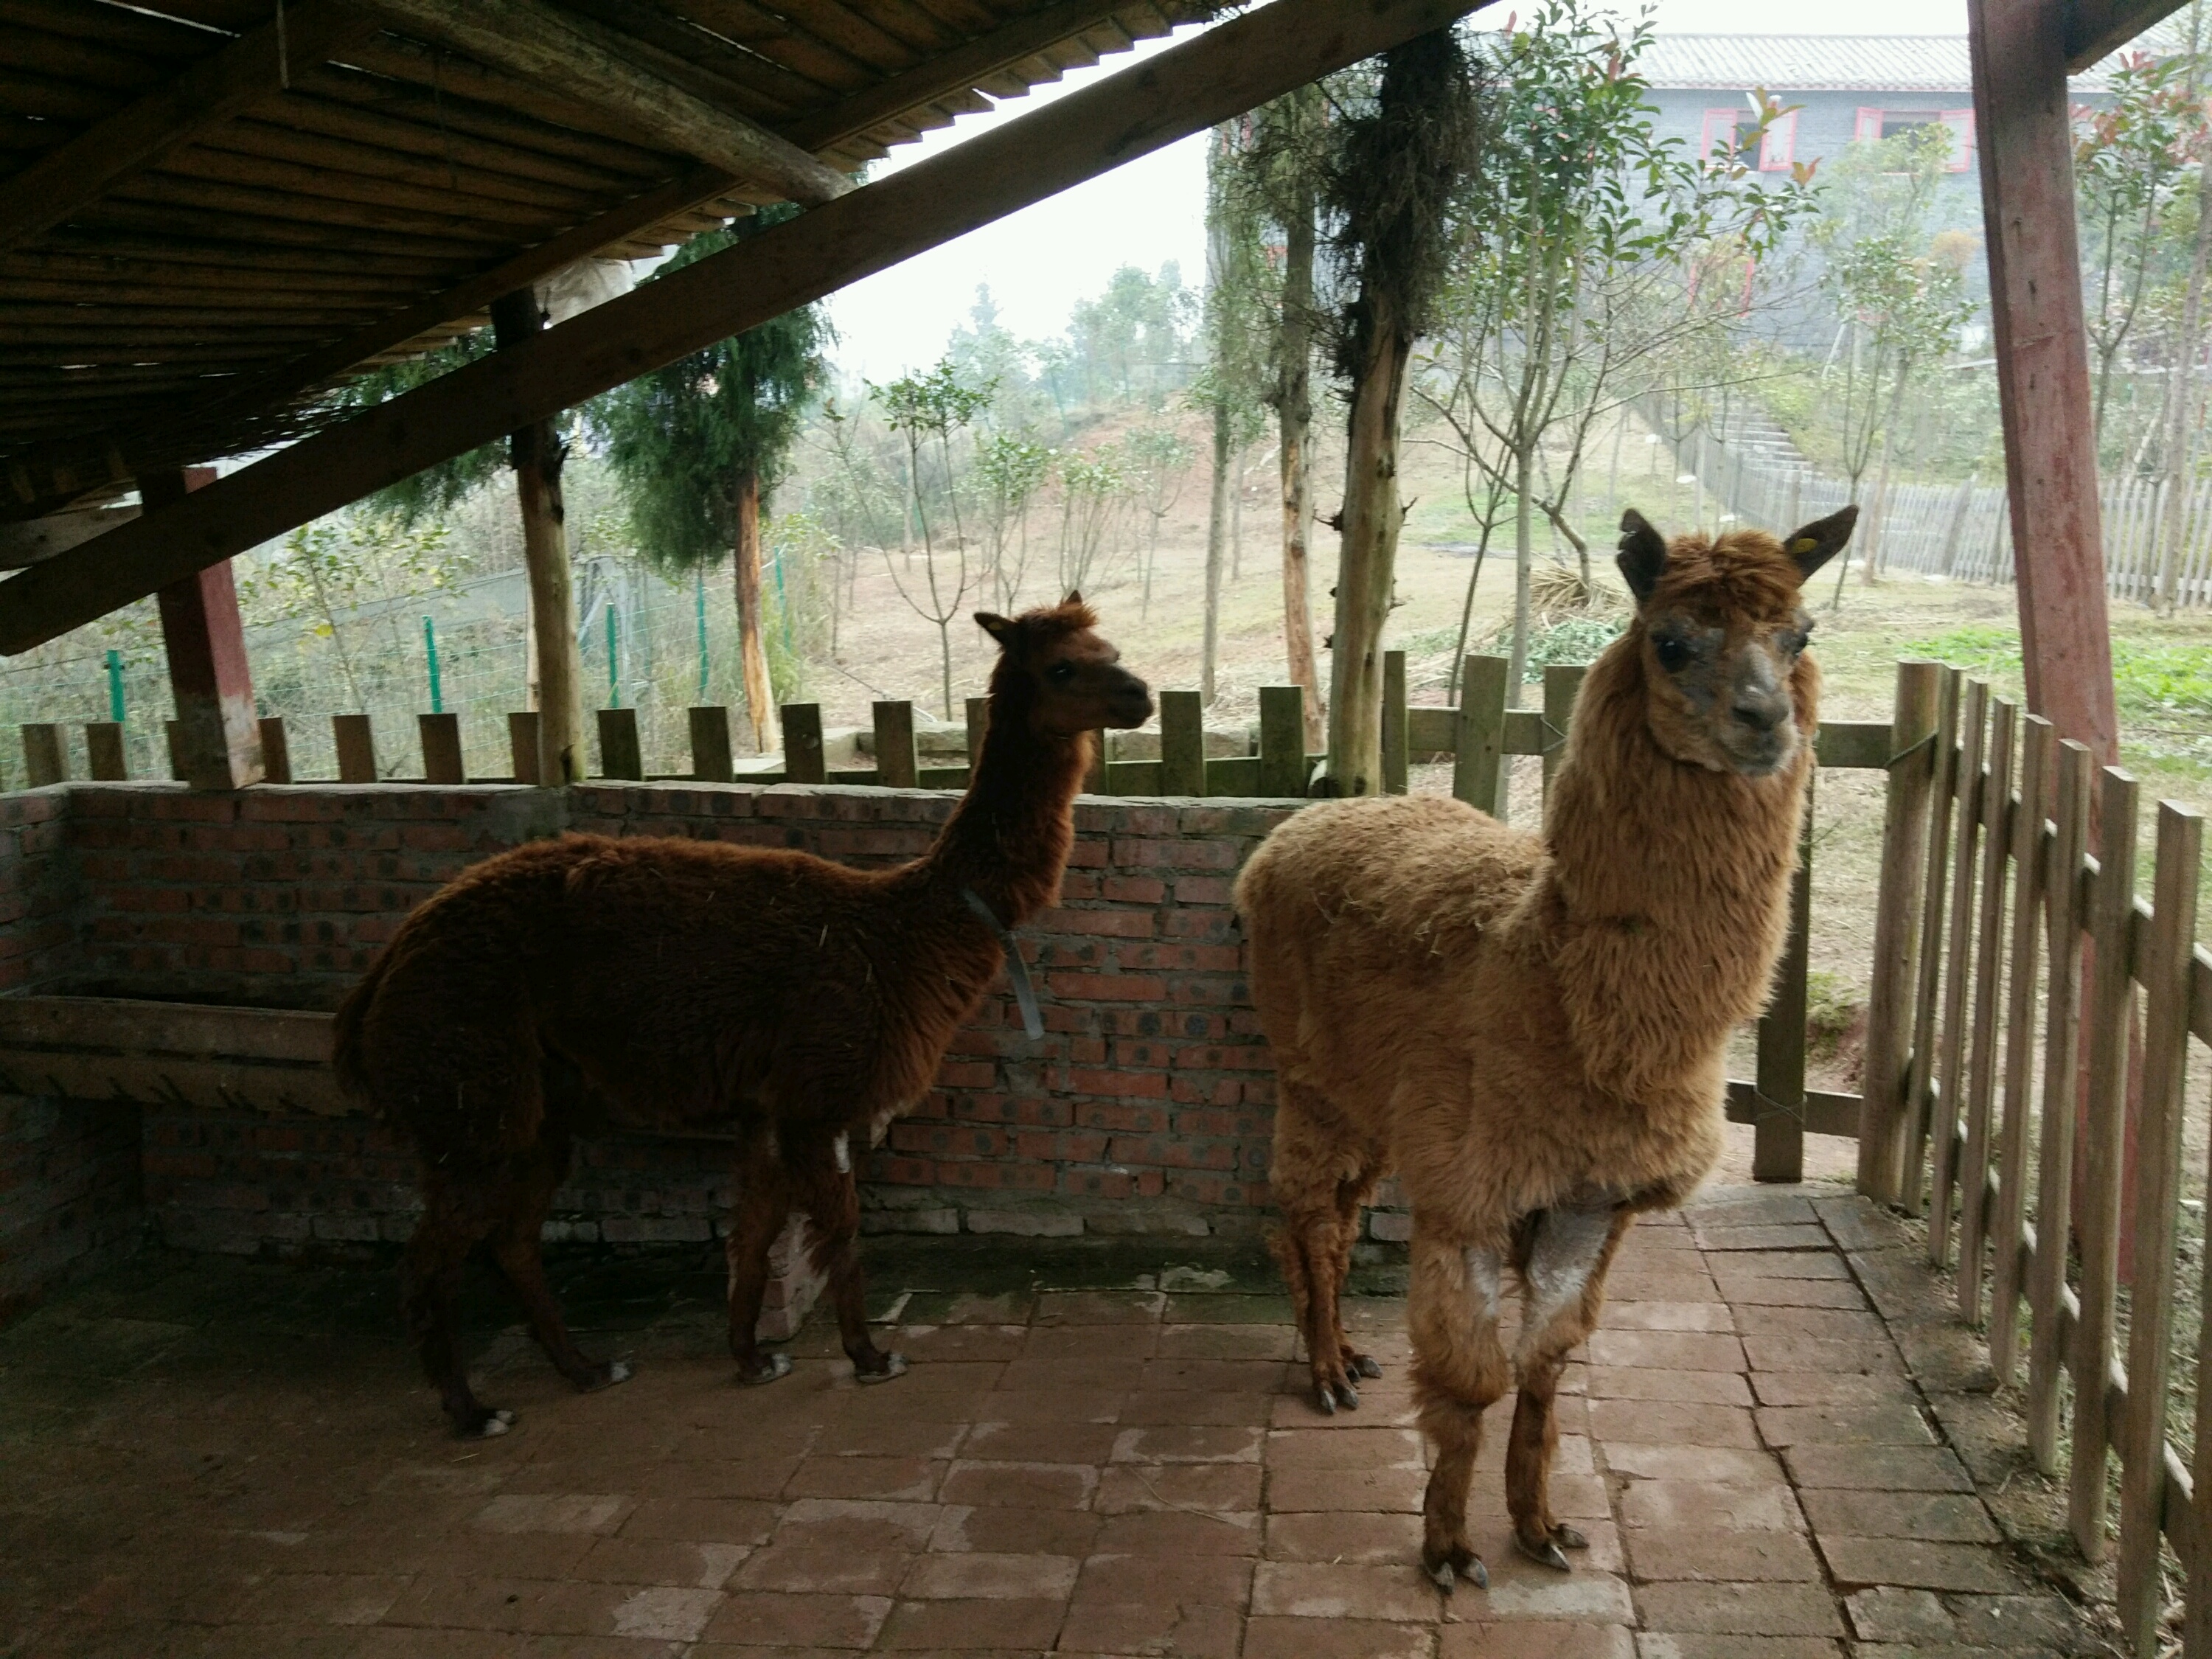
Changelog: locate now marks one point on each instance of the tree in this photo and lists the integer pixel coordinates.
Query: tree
(702, 444)
(934, 403)
(1158, 458)
(1090, 487)
(1404, 152)
(1010, 469)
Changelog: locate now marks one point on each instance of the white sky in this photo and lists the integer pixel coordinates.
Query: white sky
(1039, 262)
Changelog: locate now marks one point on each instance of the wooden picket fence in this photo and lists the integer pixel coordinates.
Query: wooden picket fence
(1999, 938)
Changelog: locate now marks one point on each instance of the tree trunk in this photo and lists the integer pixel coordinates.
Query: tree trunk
(1294, 412)
(2180, 401)
(1877, 536)
(1524, 554)
(1367, 563)
(745, 568)
(536, 453)
(1217, 538)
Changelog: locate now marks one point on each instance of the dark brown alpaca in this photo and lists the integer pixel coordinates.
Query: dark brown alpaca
(685, 984)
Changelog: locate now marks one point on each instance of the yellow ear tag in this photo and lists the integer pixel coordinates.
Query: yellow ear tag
(1804, 544)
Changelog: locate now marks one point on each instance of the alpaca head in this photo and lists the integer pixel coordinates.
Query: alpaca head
(1055, 670)
(1721, 635)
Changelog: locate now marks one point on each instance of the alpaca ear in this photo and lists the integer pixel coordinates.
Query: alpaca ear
(1642, 554)
(1000, 628)
(1074, 596)
(1821, 541)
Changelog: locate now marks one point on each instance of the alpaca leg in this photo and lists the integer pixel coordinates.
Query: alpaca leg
(1351, 1197)
(429, 1291)
(1459, 1369)
(517, 1246)
(762, 1211)
(833, 1208)
(1311, 1245)
(1563, 1277)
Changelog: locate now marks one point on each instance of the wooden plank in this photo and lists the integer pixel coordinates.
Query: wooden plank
(2106, 1013)
(1981, 1068)
(1957, 963)
(1562, 682)
(522, 745)
(1234, 774)
(898, 762)
(355, 741)
(116, 1025)
(233, 77)
(2164, 971)
(1283, 741)
(1777, 1152)
(2024, 128)
(1897, 927)
(104, 753)
(1394, 723)
(204, 637)
(619, 753)
(1187, 88)
(1927, 994)
(537, 43)
(1138, 777)
(1864, 743)
(1479, 737)
(710, 744)
(2068, 920)
(1430, 729)
(440, 736)
(46, 757)
(275, 750)
(1827, 1113)
(956, 777)
(803, 761)
(1182, 744)
(2095, 28)
(2028, 866)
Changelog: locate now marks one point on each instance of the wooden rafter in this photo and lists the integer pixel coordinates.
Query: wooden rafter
(1231, 68)
(533, 40)
(2094, 27)
(252, 67)
(950, 72)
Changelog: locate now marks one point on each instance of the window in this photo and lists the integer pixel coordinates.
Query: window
(1722, 140)
(1961, 123)
(1874, 125)
(1779, 147)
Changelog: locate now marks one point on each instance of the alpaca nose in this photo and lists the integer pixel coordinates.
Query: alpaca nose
(1760, 713)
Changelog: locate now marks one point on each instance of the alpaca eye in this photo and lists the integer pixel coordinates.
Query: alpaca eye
(1060, 673)
(1674, 653)
(1794, 644)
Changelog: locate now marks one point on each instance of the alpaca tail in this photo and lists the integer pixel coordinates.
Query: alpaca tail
(347, 1055)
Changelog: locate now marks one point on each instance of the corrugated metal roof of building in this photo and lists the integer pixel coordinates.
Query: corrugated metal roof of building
(1816, 62)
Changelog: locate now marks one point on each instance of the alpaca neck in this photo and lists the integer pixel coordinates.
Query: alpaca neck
(1671, 883)
(1009, 837)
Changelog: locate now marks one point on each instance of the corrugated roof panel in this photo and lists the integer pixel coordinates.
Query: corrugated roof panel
(1817, 63)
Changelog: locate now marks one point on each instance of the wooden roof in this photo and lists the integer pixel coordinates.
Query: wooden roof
(210, 209)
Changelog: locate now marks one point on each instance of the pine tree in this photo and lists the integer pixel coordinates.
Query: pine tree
(700, 445)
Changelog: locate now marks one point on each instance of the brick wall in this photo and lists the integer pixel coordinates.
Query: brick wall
(1146, 1107)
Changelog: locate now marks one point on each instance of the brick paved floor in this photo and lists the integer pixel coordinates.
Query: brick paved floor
(1107, 1470)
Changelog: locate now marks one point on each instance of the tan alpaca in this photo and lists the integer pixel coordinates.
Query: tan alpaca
(1530, 1029)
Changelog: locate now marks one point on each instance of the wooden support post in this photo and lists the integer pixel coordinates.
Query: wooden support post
(535, 453)
(979, 725)
(1778, 1147)
(1478, 762)
(619, 755)
(275, 750)
(172, 735)
(1562, 682)
(2067, 918)
(898, 762)
(46, 757)
(523, 746)
(220, 740)
(2024, 127)
(803, 760)
(1934, 888)
(2111, 1002)
(103, 751)
(1095, 778)
(356, 741)
(710, 744)
(1182, 744)
(1283, 741)
(2165, 970)
(442, 748)
(1394, 723)
(1897, 929)
(2029, 869)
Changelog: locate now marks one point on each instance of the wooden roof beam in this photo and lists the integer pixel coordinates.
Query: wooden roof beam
(232, 78)
(2096, 27)
(1231, 68)
(531, 39)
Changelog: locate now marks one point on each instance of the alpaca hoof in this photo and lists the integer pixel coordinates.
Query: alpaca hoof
(894, 1365)
(1447, 1578)
(774, 1365)
(1324, 1400)
(1544, 1553)
(485, 1422)
(603, 1377)
(1364, 1365)
(1568, 1538)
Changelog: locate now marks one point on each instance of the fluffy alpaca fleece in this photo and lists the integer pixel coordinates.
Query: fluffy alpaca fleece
(1530, 1030)
(684, 984)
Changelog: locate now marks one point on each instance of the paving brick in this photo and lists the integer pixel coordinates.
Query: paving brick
(1290, 1491)
(702, 1519)
(1618, 1315)
(1740, 1609)
(1918, 1565)
(1941, 1518)
(1747, 1294)
(555, 1512)
(1680, 1351)
(1179, 1534)
(1774, 1264)
(1813, 1353)
(976, 1574)
(1800, 1237)
(1535, 1639)
(1220, 1581)
(1337, 1638)
(1199, 1632)
(1343, 1449)
(1370, 1539)
(898, 1480)
(1020, 1486)
(1632, 1382)
(656, 1561)
(1660, 1554)
(1672, 1422)
(1226, 1488)
(1037, 1442)
(1652, 1646)
(1188, 1444)
(1829, 1388)
(972, 1627)
(1009, 1531)
(1688, 1503)
(1167, 1407)
(1700, 1463)
(1320, 1590)
(1889, 1614)
(775, 1619)
(2021, 1621)
(1878, 1469)
(1889, 1423)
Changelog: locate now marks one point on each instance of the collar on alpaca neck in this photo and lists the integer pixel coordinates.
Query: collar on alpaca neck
(1018, 974)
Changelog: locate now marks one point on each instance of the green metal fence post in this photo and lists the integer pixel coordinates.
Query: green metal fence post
(699, 606)
(115, 686)
(430, 651)
(614, 660)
